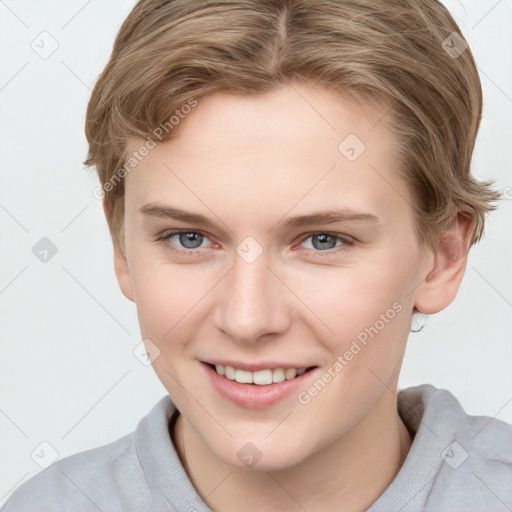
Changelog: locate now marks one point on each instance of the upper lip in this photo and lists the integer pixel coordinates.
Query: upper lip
(254, 367)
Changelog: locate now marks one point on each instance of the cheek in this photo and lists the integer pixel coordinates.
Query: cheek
(168, 305)
(368, 311)
(163, 293)
(344, 302)
(367, 329)
(363, 320)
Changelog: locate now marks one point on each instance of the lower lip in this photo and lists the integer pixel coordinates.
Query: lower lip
(253, 396)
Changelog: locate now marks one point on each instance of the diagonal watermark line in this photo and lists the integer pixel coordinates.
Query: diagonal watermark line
(416, 493)
(14, 76)
(495, 84)
(301, 198)
(76, 75)
(198, 197)
(75, 15)
(290, 85)
(486, 14)
(13, 13)
(395, 393)
(81, 419)
(15, 486)
(200, 299)
(13, 279)
(423, 422)
(218, 485)
(415, 287)
(488, 282)
(279, 424)
(14, 423)
(422, 281)
(492, 492)
(88, 497)
(413, 206)
(97, 301)
(380, 119)
(493, 418)
(286, 491)
(301, 301)
(391, 108)
(199, 403)
(13, 217)
(74, 218)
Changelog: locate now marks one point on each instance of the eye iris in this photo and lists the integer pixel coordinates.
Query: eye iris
(191, 238)
(323, 239)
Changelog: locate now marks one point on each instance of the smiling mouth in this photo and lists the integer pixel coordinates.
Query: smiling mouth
(263, 377)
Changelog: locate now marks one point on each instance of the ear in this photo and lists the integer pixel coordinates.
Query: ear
(120, 264)
(441, 285)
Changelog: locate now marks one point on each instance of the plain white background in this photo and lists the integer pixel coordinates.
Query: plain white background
(68, 376)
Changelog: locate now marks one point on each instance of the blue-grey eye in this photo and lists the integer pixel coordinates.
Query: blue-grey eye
(190, 240)
(323, 241)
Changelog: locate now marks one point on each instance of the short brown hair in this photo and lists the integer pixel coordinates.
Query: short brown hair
(396, 52)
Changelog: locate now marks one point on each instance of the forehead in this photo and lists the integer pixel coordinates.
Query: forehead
(296, 143)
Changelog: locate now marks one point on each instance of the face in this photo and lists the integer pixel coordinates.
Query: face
(305, 256)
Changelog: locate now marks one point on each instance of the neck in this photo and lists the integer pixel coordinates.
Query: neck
(355, 470)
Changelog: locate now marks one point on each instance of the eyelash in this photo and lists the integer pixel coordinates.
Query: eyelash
(348, 242)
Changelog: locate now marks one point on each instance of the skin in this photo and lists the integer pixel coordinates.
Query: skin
(246, 163)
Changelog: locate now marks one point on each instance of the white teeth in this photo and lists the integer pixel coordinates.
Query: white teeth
(290, 373)
(243, 376)
(229, 372)
(261, 377)
(278, 375)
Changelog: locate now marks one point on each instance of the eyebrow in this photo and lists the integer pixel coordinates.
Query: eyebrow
(323, 217)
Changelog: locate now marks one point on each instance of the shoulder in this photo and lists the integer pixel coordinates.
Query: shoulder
(119, 477)
(489, 444)
(90, 480)
(466, 459)
(486, 437)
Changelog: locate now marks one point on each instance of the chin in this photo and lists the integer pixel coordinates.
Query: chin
(254, 456)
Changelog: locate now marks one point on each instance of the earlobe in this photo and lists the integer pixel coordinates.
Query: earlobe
(123, 274)
(442, 283)
(121, 267)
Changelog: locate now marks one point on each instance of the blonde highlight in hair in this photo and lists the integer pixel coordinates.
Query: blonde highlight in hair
(168, 51)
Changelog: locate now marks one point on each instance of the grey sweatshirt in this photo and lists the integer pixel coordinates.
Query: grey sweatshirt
(456, 463)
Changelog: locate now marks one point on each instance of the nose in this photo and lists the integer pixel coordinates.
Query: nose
(253, 302)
